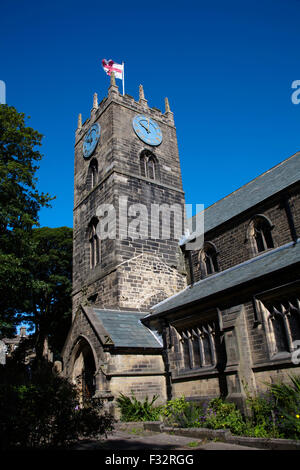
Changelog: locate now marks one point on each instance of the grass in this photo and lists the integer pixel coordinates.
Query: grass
(193, 444)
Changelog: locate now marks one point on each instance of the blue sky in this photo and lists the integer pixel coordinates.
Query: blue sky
(226, 67)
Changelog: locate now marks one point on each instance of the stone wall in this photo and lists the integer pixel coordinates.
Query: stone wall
(245, 361)
(265, 377)
(198, 389)
(230, 239)
(146, 280)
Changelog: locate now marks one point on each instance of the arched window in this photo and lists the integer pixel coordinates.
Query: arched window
(148, 165)
(260, 234)
(94, 244)
(279, 330)
(294, 319)
(208, 259)
(198, 346)
(208, 345)
(282, 324)
(92, 179)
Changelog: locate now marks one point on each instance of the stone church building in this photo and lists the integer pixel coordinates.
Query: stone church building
(151, 315)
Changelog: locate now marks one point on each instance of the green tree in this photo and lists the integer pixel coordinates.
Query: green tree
(41, 410)
(49, 305)
(20, 202)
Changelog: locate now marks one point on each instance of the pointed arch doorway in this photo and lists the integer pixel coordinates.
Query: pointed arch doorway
(84, 369)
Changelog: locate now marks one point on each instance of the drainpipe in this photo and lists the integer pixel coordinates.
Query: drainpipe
(166, 360)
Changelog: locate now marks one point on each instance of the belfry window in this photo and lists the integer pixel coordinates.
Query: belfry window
(263, 236)
(92, 174)
(260, 233)
(94, 244)
(148, 165)
(208, 259)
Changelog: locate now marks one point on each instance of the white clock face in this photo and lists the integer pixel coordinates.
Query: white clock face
(91, 139)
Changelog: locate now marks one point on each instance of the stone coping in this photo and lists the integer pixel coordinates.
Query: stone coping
(223, 435)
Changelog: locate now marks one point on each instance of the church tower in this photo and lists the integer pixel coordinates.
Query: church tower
(128, 219)
(128, 205)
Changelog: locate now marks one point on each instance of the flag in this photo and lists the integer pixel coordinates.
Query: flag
(110, 66)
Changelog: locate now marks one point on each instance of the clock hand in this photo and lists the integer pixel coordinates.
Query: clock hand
(145, 128)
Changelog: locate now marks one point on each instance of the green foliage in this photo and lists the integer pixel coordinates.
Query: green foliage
(193, 444)
(177, 405)
(182, 413)
(287, 401)
(20, 202)
(224, 415)
(262, 421)
(261, 409)
(41, 410)
(49, 303)
(276, 414)
(133, 409)
(189, 417)
(261, 430)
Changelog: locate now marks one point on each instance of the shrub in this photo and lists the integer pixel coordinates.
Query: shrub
(177, 405)
(133, 409)
(224, 415)
(287, 406)
(275, 414)
(90, 419)
(262, 422)
(191, 416)
(44, 412)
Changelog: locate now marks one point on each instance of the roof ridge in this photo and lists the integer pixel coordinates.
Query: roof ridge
(297, 154)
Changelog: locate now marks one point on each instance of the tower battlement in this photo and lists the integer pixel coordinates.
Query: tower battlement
(139, 106)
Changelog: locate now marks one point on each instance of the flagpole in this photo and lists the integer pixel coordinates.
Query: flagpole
(123, 81)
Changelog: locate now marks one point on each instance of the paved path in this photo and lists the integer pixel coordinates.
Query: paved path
(147, 440)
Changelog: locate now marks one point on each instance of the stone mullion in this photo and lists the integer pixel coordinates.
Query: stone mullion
(189, 339)
(287, 328)
(201, 348)
(268, 327)
(263, 239)
(212, 347)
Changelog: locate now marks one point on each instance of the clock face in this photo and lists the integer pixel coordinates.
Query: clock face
(147, 130)
(90, 140)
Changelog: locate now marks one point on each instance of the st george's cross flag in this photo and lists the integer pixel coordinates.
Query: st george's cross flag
(110, 66)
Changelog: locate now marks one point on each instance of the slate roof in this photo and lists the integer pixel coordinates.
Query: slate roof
(269, 183)
(254, 268)
(126, 330)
